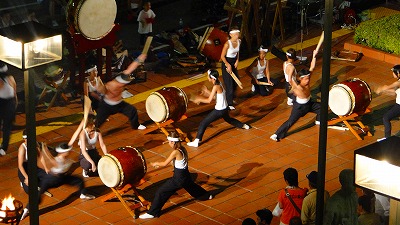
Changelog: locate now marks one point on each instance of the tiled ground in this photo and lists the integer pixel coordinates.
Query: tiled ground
(242, 167)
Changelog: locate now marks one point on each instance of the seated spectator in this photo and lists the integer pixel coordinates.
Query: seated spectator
(382, 207)
(366, 215)
(249, 221)
(264, 216)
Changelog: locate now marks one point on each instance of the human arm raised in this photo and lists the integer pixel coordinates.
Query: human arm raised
(135, 64)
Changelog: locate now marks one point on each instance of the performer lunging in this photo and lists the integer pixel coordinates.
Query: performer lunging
(290, 73)
(113, 103)
(220, 111)
(392, 89)
(230, 60)
(181, 178)
(303, 103)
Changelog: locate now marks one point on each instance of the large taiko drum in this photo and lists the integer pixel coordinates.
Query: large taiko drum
(350, 96)
(125, 165)
(94, 19)
(167, 103)
(212, 43)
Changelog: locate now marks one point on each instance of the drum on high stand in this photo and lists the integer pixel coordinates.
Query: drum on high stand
(94, 19)
(350, 96)
(212, 43)
(125, 165)
(167, 103)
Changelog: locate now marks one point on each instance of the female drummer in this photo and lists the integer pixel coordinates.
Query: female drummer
(220, 111)
(259, 72)
(180, 179)
(230, 61)
(392, 89)
(91, 86)
(88, 137)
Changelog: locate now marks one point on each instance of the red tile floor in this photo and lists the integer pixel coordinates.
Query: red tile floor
(244, 167)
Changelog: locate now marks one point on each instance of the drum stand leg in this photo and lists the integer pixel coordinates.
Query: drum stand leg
(132, 209)
(162, 127)
(356, 118)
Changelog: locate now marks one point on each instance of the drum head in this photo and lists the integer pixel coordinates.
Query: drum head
(96, 18)
(157, 107)
(341, 100)
(109, 171)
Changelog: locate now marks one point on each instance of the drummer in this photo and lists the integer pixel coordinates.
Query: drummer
(92, 85)
(113, 103)
(303, 103)
(259, 72)
(230, 61)
(181, 178)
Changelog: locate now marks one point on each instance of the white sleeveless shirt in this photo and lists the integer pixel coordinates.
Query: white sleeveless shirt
(90, 142)
(92, 87)
(221, 102)
(285, 64)
(232, 52)
(181, 164)
(258, 71)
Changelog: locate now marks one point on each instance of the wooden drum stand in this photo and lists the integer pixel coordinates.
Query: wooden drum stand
(353, 117)
(169, 123)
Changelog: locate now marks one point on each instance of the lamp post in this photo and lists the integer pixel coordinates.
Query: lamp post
(25, 46)
(377, 168)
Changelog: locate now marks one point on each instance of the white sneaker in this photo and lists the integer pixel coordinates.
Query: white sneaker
(86, 196)
(253, 88)
(289, 101)
(274, 137)
(85, 173)
(194, 143)
(2, 152)
(317, 122)
(210, 197)
(25, 213)
(381, 139)
(245, 126)
(146, 216)
(231, 107)
(141, 127)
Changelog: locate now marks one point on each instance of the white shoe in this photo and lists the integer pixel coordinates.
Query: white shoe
(85, 173)
(194, 143)
(289, 101)
(2, 152)
(141, 127)
(25, 213)
(253, 88)
(146, 216)
(317, 122)
(245, 126)
(381, 139)
(231, 107)
(274, 137)
(86, 196)
(210, 197)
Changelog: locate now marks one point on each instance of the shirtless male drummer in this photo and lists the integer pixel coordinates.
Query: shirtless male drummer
(113, 103)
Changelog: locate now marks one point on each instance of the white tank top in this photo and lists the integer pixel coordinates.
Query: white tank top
(258, 71)
(26, 153)
(285, 64)
(93, 88)
(90, 142)
(398, 96)
(221, 102)
(232, 52)
(6, 92)
(181, 164)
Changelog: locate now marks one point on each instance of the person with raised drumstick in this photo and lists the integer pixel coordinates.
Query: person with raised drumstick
(230, 61)
(303, 103)
(392, 89)
(220, 111)
(92, 85)
(181, 178)
(259, 72)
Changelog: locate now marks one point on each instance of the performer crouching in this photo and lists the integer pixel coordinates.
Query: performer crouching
(181, 178)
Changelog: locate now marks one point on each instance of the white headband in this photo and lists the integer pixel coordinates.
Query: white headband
(234, 31)
(173, 139)
(91, 69)
(263, 49)
(305, 75)
(24, 136)
(211, 76)
(288, 54)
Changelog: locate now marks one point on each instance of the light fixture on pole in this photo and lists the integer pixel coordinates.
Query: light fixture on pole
(377, 168)
(25, 46)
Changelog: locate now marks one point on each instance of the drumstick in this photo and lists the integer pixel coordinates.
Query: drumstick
(147, 44)
(264, 83)
(86, 109)
(235, 79)
(321, 39)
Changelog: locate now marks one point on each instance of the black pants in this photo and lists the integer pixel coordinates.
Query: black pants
(7, 116)
(298, 111)
(85, 164)
(388, 116)
(181, 179)
(41, 174)
(230, 84)
(263, 90)
(105, 110)
(213, 116)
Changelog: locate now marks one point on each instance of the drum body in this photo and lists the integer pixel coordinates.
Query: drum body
(125, 165)
(212, 43)
(167, 103)
(351, 96)
(94, 19)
